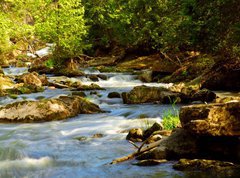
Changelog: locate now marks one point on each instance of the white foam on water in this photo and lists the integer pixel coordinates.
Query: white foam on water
(26, 163)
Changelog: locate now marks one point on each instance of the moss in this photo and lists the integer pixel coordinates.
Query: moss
(13, 96)
(40, 97)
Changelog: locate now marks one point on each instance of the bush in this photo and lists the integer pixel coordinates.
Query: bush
(170, 120)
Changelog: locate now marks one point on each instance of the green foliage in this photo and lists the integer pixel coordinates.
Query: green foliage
(62, 23)
(149, 24)
(75, 25)
(170, 120)
(50, 63)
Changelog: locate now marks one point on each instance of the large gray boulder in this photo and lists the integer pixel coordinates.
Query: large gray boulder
(47, 110)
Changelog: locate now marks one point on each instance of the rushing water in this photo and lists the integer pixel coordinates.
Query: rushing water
(51, 149)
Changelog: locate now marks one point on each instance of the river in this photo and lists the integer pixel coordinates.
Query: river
(51, 149)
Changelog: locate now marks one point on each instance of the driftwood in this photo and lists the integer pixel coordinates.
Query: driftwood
(137, 153)
(133, 144)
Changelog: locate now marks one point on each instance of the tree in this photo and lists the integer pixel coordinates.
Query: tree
(61, 22)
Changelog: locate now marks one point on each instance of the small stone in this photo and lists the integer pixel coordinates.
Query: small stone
(79, 93)
(154, 138)
(103, 77)
(98, 135)
(114, 95)
(135, 135)
(155, 127)
(94, 78)
(52, 88)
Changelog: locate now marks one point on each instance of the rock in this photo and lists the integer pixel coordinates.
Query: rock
(224, 75)
(81, 138)
(114, 95)
(221, 119)
(92, 86)
(47, 110)
(24, 89)
(98, 135)
(212, 166)
(1, 71)
(67, 83)
(5, 82)
(103, 77)
(31, 79)
(163, 132)
(180, 144)
(190, 69)
(94, 78)
(227, 99)
(155, 127)
(68, 72)
(146, 76)
(79, 93)
(135, 135)
(150, 162)
(94, 93)
(154, 62)
(41, 69)
(144, 94)
(43, 79)
(204, 95)
(153, 138)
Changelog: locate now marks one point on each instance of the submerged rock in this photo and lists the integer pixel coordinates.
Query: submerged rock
(221, 119)
(47, 109)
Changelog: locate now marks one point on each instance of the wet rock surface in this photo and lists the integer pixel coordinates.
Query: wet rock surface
(144, 94)
(47, 109)
(227, 169)
(224, 75)
(135, 135)
(222, 119)
(114, 95)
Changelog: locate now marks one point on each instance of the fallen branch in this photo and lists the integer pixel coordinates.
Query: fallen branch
(131, 156)
(133, 144)
(171, 60)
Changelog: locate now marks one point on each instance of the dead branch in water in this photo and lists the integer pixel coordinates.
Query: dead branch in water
(133, 144)
(137, 153)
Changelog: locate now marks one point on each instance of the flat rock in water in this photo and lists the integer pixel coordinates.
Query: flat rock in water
(47, 109)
